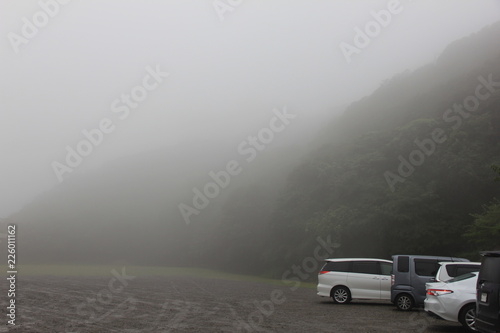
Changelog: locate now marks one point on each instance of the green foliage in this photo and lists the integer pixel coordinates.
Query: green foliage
(485, 232)
(496, 168)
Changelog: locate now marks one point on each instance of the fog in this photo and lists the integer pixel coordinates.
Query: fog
(225, 76)
(190, 164)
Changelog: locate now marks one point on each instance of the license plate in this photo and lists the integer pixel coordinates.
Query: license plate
(484, 297)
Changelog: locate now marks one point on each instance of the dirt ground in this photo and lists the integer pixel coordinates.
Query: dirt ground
(187, 304)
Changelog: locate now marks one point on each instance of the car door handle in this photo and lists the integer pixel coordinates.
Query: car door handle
(376, 278)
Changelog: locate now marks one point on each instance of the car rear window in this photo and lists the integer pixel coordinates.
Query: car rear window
(403, 264)
(463, 269)
(337, 266)
(426, 267)
(451, 270)
(462, 277)
(467, 269)
(457, 270)
(490, 269)
(366, 267)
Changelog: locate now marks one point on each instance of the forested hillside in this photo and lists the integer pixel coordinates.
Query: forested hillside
(350, 189)
(418, 123)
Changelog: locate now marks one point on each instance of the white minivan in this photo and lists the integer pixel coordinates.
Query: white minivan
(355, 278)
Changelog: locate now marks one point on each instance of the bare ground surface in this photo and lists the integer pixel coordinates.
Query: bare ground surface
(188, 304)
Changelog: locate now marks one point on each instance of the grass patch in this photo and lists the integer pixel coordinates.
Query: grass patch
(105, 270)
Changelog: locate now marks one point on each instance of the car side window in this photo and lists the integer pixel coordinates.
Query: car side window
(426, 267)
(337, 266)
(365, 267)
(385, 268)
(403, 264)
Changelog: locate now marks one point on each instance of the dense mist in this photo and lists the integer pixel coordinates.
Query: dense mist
(190, 133)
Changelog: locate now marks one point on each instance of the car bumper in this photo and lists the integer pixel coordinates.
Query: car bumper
(324, 290)
(435, 307)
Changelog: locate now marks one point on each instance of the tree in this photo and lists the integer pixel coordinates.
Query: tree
(485, 232)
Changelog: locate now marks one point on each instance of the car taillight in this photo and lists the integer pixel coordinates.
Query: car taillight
(438, 292)
(392, 279)
(323, 272)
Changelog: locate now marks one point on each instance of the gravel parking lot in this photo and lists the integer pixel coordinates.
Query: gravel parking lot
(188, 304)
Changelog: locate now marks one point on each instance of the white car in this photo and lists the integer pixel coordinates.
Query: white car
(449, 270)
(453, 300)
(355, 278)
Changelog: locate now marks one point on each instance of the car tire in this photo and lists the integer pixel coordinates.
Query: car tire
(341, 295)
(467, 317)
(404, 302)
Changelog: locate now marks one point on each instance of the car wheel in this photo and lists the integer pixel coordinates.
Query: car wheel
(467, 317)
(404, 302)
(341, 295)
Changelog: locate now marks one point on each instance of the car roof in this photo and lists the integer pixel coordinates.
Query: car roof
(356, 259)
(430, 257)
(447, 263)
(490, 254)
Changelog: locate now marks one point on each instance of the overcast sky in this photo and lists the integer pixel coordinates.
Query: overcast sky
(228, 67)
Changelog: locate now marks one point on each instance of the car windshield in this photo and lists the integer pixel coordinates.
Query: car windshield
(462, 277)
